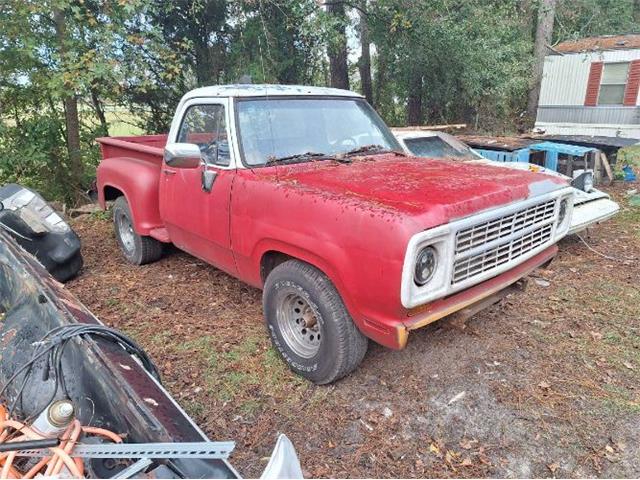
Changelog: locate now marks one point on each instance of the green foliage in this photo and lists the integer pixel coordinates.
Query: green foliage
(585, 18)
(456, 60)
(472, 58)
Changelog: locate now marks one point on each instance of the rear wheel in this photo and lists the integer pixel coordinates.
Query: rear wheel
(309, 325)
(137, 249)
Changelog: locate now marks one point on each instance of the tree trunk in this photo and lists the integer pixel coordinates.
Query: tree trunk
(380, 84)
(70, 102)
(544, 34)
(364, 63)
(99, 109)
(204, 67)
(414, 101)
(337, 50)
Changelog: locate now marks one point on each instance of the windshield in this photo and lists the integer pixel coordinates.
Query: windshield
(439, 146)
(276, 128)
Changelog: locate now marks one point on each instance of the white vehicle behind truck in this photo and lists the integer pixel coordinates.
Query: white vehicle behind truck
(591, 206)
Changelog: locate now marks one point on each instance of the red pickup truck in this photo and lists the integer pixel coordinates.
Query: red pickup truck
(305, 193)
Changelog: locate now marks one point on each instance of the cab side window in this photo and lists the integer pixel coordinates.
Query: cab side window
(205, 125)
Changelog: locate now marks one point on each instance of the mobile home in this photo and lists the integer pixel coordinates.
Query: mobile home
(590, 87)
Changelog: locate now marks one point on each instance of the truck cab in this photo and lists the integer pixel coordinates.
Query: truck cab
(305, 193)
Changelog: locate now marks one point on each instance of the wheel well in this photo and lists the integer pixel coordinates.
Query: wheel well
(112, 193)
(271, 260)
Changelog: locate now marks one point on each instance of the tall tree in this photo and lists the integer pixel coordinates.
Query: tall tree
(364, 62)
(198, 29)
(337, 49)
(276, 41)
(414, 102)
(544, 35)
(70, 101)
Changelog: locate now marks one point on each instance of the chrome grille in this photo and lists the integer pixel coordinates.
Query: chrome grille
(486, 232)
(476, 264)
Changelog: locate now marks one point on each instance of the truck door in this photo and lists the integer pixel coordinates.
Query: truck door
(194, 202)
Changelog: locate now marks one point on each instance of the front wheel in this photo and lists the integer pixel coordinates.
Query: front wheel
(137, 249)
(309, 325)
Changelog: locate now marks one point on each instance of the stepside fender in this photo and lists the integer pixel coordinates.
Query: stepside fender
(139, 182)
(319, 261)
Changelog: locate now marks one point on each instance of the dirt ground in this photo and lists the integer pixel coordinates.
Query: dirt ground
(547, 383)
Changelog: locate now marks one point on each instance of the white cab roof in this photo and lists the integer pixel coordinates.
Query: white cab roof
(251, 90)
(404, 132)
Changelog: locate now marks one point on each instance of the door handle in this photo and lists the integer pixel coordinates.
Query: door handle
(168, 172)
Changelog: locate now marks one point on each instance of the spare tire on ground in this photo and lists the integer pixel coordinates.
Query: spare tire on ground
(40, 230)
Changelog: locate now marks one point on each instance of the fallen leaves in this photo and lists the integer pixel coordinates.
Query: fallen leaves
(435, 449)
(468, 444)
(473, 454)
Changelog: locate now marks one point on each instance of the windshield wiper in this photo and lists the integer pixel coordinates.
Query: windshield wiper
(373, 148)
(298, 156)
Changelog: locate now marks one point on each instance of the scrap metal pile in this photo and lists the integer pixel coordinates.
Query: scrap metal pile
(40, 230)
(82, 400)
(47, 446)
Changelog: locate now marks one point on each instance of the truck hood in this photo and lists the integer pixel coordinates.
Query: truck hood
(435, 190)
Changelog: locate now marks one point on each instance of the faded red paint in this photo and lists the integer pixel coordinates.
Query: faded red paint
(593, 84)
(352, 221)
(633, 84)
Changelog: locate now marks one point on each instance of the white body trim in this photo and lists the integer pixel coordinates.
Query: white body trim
(443, 239)
(588, 213)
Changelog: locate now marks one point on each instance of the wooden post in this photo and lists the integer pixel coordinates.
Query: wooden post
(597, 168)
(607, 167)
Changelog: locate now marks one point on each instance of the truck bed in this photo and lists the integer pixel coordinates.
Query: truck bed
(150, 146)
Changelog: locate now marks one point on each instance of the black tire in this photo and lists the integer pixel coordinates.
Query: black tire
(137, 249)
(340, 348)
(69, 269)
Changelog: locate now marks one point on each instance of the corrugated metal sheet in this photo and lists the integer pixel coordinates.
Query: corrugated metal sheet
(624, 131)
(603, 115)
(496, 143)
(602, 143)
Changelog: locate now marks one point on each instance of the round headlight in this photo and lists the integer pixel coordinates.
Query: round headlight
(426, 263)
(562, 214)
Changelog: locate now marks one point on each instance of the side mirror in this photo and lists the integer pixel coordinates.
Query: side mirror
(183, 155)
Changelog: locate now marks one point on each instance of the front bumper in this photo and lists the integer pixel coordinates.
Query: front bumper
(429, 313)
(590, 212)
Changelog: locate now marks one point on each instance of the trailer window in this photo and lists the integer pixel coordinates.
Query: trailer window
(613, 83)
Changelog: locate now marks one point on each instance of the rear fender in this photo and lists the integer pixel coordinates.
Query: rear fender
(139, 183)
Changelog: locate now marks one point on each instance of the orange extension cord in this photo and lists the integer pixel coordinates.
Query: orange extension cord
(60, 456)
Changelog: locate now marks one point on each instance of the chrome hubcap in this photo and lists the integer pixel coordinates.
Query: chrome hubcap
(299, 326)
(125, 230)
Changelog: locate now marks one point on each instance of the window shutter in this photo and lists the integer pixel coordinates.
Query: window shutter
(593, 84)
(633, 84)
